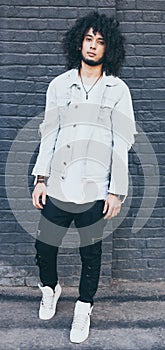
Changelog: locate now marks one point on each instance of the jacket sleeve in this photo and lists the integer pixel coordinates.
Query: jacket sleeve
(48, 130)
(123, 129)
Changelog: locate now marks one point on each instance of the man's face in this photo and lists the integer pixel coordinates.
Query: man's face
(93, 47)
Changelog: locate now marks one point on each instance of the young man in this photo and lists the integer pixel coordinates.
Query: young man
(82, 167)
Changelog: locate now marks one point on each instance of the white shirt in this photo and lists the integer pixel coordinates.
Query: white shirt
(76, 144)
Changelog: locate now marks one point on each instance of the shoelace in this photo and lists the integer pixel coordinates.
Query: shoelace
(47, 302)
(80, 321)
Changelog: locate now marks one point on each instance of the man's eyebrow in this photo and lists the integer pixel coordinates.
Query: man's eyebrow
(91, 36)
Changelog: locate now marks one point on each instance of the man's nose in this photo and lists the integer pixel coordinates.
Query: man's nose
(93, 44)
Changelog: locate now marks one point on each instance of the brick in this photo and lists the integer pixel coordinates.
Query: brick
(7, 85)
(163, 17)
(126, 4)
(150, 274)
(82, 11)
(134, 61)
(120, 15)
(48, 12)
(127, 27)
(48, 60)
(152, 16)
(31, 281)
(130, 264)
(104, 3)
(57, 24)
(25, 86)
(14, 23)
(10, 271)
(127, 72)
(155, 50)
(137, 243)
(12, 58)
(48, 36)
(148, 72)
(150, 4)
(136, 94)
(152, 61)
(24, 248)
(155, 263)
(15, 281)
(120, 243)
(19, 11)
(13, 47)
(155, 242)
(149, 27)
(48, 3)
(75, 3)
(10, 35)
(156, 106)
(67, 12)
(158, 94)
(152, 39)
(7, 248)
(132, 274)
(135, 83)
(132, 38)
(90, 3)
(148, 233)
(37, 24)
(9, 235)
(127, 253)
(36, 71)
(133, 16)
(18, 260)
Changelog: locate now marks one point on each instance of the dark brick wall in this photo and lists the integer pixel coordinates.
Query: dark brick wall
(140, 255)
(31, 55)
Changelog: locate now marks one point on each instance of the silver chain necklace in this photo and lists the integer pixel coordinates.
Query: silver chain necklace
(87, 92)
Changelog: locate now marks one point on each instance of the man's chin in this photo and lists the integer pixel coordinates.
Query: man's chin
(92, 62)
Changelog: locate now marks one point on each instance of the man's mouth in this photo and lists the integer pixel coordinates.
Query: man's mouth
(91, 54)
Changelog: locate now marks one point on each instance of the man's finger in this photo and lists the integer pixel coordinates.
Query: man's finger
(36, 202)
(105, 207)
(43, 198)
(109, 213)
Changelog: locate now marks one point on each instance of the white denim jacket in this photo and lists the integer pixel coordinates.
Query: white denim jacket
(84, 145)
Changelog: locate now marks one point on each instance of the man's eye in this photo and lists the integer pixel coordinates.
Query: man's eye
(101, 42)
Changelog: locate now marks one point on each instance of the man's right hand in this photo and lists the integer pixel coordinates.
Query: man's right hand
(39, 191)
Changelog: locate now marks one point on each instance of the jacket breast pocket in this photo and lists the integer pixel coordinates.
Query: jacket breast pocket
(104, 117)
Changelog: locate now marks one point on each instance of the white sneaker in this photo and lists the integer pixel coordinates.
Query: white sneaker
(81, 322)
(49, 301)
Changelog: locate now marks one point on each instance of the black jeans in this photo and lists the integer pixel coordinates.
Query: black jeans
(56, 217)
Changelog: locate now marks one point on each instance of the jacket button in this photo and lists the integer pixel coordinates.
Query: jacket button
(76, 106)
(64, 163)
(62, 177)
(68, 146)
(74, 125)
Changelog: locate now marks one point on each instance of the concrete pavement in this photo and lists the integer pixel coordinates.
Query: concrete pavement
(126, 316)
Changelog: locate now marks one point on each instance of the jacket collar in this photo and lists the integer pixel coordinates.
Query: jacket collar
(73, 79)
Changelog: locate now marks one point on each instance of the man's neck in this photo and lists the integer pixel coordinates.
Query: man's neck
(90, 73)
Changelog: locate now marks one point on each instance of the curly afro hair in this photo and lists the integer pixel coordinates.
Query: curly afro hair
(108, 27)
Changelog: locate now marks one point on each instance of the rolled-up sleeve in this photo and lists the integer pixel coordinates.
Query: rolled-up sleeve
(49, 129)
(124, 130)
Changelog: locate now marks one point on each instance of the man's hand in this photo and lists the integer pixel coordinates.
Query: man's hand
(112, 206)
(39, 191)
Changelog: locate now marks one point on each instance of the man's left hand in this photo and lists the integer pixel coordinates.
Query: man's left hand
(112, 206)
